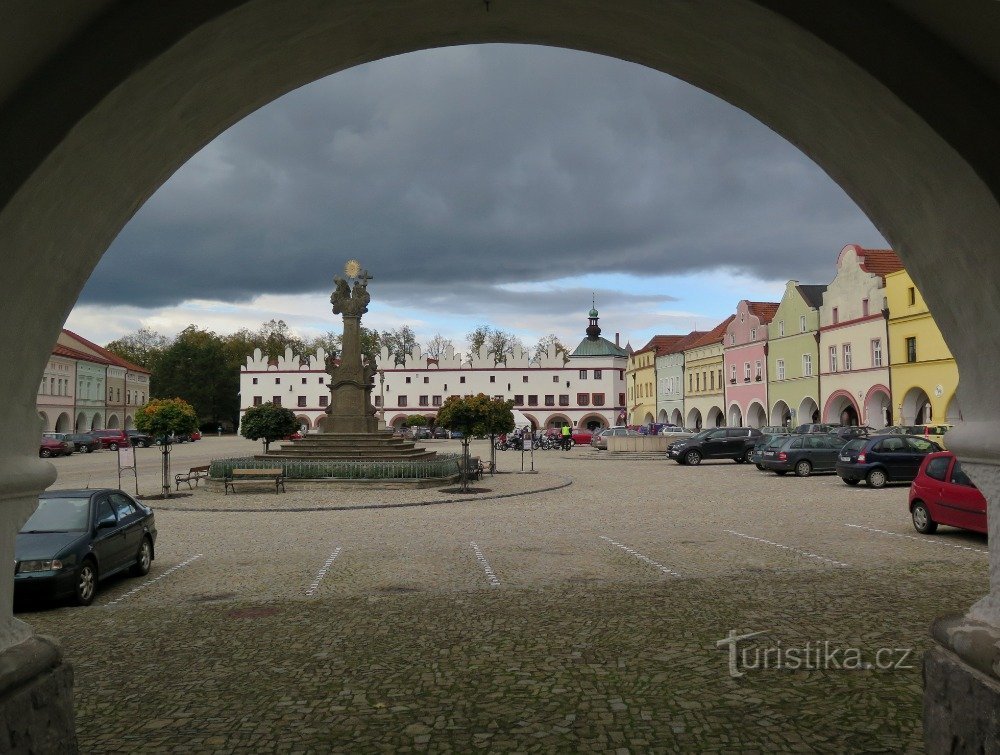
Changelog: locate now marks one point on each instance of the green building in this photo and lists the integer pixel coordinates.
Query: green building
(793, 356)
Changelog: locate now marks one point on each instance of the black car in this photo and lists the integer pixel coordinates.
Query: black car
(734, 443)
(849, 432)
(139, 439)
(76, 538)
(883, 458)
(763, 443)
(440, 433)
(816, 427)
(803, 454)
(83, 442)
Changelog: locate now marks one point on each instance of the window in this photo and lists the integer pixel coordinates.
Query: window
(836, 315)
(753, 334)
(876, 352)
(583, 374)
(427, 380)
(322, 380)
(911, 348)
(258, 400)
(802, 323)
(807, 365)
(435, 401)
(746, 372)
(276, 400)
(781, 369)
(690, 383)
(583, 399)
(597, 399)
(524, 378)
(255, 381)
(493, 378)
(697, 382)
(378, 401)
(461, 379)
(833, 359)
(912, 295)
(518, 400)
(408, 380)
(302, 400)
(532, 400)
(864, 308)
(938, 468)
(732, 374)
(555, 378)
(401, 401)
(423, 401)
(621, 399)
(848, 360)
(781, 327)
(563, 399)
(277, 381)
(732, 339)
(757, 368)
(550, 400)
(304, 381)
(597, 374)
(712, 375)
(621, 375)
(720, 379)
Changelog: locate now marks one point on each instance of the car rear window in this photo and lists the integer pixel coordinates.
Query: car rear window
(921, 445)
(938, 468)
(854, 445)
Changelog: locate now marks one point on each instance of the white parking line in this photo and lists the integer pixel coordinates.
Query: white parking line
(635, 554)
(491, 576)
(323, 570)
(925, 539)
(151, 582)
(789, 548)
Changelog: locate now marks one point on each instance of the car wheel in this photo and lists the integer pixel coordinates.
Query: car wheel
(693, 458)
(803, 468)
(143, 560)
(159, 442)
(86, 449)
(86, 583)
(922, 521)
(781, 472)
(45, 453)
(145, 444)
(851, 481)
(876, 479)
(747, 455)
(113, 446)
(760, 467)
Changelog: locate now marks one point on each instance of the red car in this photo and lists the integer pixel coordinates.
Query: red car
(112, 438)
(942, 493)
(54, 447)
(196, 435)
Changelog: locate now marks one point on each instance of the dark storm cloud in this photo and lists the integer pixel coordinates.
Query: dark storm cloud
(490, 165)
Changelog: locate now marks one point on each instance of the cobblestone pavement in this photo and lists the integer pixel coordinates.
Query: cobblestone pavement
(584, 618)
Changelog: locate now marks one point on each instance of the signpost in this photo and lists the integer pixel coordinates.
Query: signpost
(126, 463)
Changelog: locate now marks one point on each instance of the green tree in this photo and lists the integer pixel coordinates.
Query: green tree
(144, 347)
(274, 336)
(550, 345)
(268, 422)
(400, 342)
(416, 420)
(199, 368)
(164, 417)
(476, 415)
(477, 338)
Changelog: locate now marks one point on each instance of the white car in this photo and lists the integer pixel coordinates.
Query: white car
(600, 440)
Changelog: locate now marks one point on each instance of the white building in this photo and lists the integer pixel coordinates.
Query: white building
(585, 388)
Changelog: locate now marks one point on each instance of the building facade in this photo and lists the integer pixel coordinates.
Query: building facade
(641, 378)
(793, 356)
(745, 360)
(853, 339)
(57, 392)
(704, 397)
(670, 371)
(301, 384)
(922, 371)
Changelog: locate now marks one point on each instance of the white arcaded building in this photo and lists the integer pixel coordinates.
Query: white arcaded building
(583, 389)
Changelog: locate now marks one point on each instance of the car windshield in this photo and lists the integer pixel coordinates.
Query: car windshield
(59, 515)
(776, 441)
(854, 445)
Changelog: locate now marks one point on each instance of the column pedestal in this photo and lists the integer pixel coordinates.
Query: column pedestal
(36, 698)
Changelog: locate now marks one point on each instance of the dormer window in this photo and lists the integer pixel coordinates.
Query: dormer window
(732, 339)
(753, 334)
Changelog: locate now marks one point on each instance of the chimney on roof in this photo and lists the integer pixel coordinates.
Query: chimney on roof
(618, 337)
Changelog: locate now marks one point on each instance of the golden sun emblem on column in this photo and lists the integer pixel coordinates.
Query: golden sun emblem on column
(352, 269)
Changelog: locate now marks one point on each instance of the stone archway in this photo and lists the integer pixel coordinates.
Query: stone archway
(130, 422)
(878, 407)
(693, 419)
(662, 417)
(841, 409)
(113, 422)
(591, 422)
(555, 421)
(781, 415)
(808, 412)
(45, 421)
(676, 418)
(735, 416)
(756, 416)
(917, 408)
(74, 115)
(64, 424)
(953, 414)
(82, 424)
(97, 421)
(715, 417)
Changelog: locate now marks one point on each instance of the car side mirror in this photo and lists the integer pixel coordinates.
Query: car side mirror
(106, 522)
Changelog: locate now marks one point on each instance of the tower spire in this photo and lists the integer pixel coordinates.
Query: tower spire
(593, 330)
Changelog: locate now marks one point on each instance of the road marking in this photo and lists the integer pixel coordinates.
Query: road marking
(806, 554)
(925, 539)
(323, 570)
(635, 554)
(151, 582)
(491, 576)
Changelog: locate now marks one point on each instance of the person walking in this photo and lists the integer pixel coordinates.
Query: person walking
(566, 439)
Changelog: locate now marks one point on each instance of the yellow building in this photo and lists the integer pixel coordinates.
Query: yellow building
(923, 372)
(640, 379)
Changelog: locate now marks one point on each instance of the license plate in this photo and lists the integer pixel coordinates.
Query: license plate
(769, 453)
(845, 458)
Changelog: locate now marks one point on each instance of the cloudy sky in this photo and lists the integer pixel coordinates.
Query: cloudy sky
(497, 183)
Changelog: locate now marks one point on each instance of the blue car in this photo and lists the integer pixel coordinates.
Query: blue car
(76, 538)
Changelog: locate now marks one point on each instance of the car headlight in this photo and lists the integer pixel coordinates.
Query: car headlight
(32, 566)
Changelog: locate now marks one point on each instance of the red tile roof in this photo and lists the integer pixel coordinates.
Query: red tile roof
(880, 262)
(684, 342)
(66, 351)
(660, 344)
(110, 356)
(763, 310)
(715, 335)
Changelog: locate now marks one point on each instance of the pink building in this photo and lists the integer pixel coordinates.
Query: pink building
(745, 363)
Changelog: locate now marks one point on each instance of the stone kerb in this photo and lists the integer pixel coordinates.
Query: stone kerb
(639, 444)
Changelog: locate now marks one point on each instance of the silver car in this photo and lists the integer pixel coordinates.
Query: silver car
(600, 440)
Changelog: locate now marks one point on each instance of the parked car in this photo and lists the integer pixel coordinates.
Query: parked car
(196, 435)
(675, 431)
(139, 439)
(49, 447)
(775, 430)
(942, 493)
(456, 434)
(848, 432)
(599, 440)
(763, 442)
(76, 538)
(439, 433)
(933, 432)
(293, 436)
(82, 442)
(803, 454)
(880, 459)
(734, 443)
(112, 438)
(172, 439)
(816, 427)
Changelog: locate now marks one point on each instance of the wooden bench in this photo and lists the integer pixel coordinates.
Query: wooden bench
(476, 468)
(254, 477)
(192, 475)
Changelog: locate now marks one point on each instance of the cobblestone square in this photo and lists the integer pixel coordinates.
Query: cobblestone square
(586, 617)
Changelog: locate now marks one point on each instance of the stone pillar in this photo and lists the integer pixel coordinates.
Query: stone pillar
(350, 409)
(962, 668)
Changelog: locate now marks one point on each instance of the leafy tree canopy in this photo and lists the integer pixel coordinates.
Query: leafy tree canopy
(268, 422)
(477, 415)
(166, 416)
(438, 345)
(416, 420)
(144, 347)
(549, 345)
(400, 342)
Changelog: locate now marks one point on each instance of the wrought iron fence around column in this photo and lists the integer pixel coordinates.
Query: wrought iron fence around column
(442, 466)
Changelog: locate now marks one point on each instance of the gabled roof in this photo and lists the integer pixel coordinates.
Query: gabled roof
(763, 310)
(660, 344)
(715, 335)
(813, 295)
(66, 351)
(684, 342)
(108, 355)
(879, 261)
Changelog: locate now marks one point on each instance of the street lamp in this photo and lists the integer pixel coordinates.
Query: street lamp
(381, 396)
